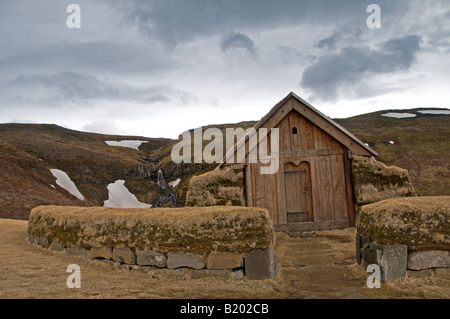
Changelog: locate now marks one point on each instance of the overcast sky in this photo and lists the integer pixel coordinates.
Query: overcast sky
(159, 67)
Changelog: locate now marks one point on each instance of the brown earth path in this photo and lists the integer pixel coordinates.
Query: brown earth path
(318, 267)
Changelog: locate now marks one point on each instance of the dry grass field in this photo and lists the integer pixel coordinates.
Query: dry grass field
(317, 267)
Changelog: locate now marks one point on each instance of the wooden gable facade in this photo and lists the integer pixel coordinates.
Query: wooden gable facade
(312, 188)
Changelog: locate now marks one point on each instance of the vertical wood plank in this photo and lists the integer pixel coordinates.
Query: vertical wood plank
(307, 166)
(285, 139)
(259, 186)
(293, 137)
(306, 134)
(349, 190)
(281, 195)
(248, 186)
(316, 185)
(326, 141)
(338, 184)
(317, 135)
(270, 195)
(326, 188)
(255, 181)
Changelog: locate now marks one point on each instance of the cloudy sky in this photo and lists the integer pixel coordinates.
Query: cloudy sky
(159, 67)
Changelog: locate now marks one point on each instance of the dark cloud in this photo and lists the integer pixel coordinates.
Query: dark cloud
(104, 57)
(124, 49)
(238, 45)
(174, 21)
(62, 87)
(329, 42)
(331, 72)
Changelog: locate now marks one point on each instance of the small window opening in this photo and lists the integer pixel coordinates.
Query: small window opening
(294, 130)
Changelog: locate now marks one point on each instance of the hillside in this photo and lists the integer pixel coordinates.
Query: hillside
(411, 139)
(28, 152)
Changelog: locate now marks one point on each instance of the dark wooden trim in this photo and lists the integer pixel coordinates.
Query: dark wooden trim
(349, 187)
(306, 226)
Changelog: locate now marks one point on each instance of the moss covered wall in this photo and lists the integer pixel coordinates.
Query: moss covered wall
(374, 181)
(222, 186)
(165, 230)
(421, 223)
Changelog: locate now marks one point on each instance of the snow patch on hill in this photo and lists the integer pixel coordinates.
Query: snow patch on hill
(120, 197)
(175, 182)
(134, 144)
(63, 180)
(399, 115)
(436, 112)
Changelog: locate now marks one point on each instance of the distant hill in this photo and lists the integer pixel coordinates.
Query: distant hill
(415, 139)
(420, 144)
(29, 151)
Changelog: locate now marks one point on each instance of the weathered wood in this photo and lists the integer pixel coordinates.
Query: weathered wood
(306, 155)
(270, 195)
(285, 140)
(297, 187)
(317, 138)
(258, 194)
(349, 191)
(281, 195)
(293, 123)
(248, 186)
(306, 134)
(338, 186)
(312, 188)
(326, 189)
(306, 226)
(316, 186)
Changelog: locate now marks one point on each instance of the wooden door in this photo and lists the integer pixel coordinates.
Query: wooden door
(297, 183)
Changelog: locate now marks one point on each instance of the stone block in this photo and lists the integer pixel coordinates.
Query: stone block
(392, 260)
(238, 274)
(43, 241)
(75, 251)
(101, 252)
(368, 252)
(206, 273)
(151, 258)
(33, 239)
(56, 246)
(260, 264)
(224, 261)
(124, 255)
(428, 259)
(184, 260)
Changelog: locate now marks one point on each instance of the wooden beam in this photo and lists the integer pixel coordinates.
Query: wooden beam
(349, 188)
(307, 226)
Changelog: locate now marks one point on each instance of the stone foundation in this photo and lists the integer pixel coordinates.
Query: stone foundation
(395, 261)
(216, 241)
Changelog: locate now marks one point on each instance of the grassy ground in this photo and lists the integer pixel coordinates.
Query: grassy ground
(319, 267)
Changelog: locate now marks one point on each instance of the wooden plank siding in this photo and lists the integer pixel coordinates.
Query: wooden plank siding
(325, 159)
